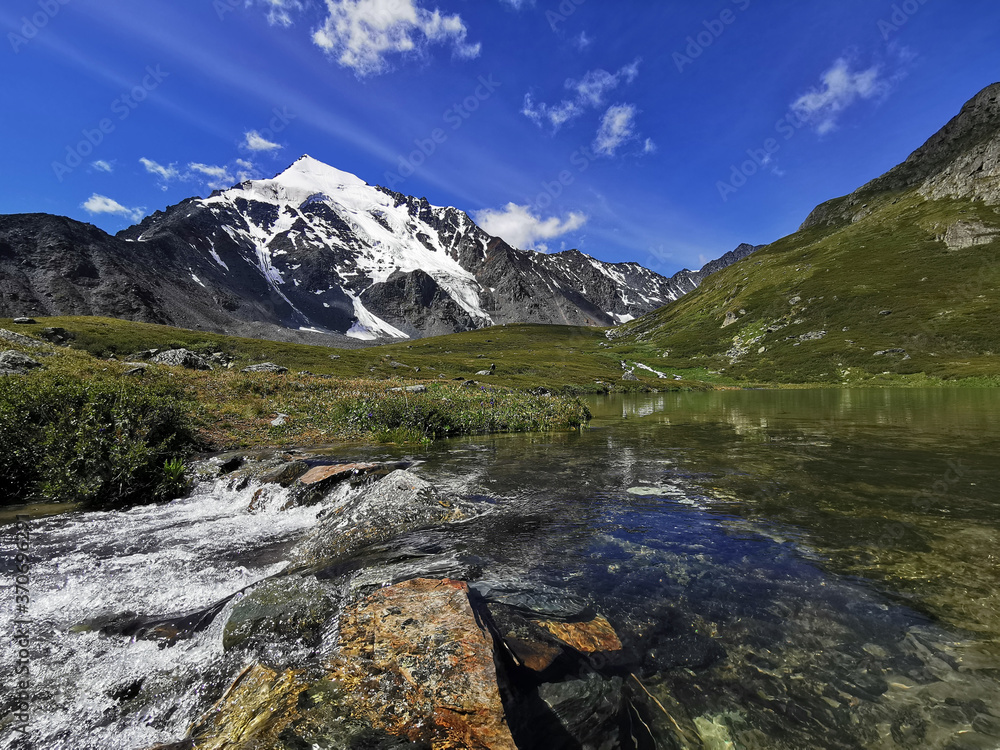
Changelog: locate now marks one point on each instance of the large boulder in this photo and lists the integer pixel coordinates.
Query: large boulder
(400, 502)
(15, 363)
(418, 664)
(182, 358)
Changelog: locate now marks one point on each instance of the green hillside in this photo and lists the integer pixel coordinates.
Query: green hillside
(821, 304)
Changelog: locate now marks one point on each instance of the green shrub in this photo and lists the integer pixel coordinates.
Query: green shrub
(100, 442)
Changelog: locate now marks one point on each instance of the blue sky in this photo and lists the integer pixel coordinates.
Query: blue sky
(660, 132)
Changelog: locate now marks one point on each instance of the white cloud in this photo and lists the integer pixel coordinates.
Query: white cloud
(517, 4)
(840, 88)
(592, 88)
(254, 141)
(649, 147)
(280, 11)
(166, 174)
(617, 127)
(583, 41)
(363, 34)
(102, 166)
(589, 92)
(218, 178)
(556, 116)
(521, 228)
(101, 204)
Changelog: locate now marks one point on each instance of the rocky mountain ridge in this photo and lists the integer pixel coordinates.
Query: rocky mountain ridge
(960, 161)
(315, 254)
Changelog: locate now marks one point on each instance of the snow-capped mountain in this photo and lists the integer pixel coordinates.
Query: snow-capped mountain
(318, 250)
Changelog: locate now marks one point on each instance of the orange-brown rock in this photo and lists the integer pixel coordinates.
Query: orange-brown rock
(344, 471)
(587, 637)
(418, 664)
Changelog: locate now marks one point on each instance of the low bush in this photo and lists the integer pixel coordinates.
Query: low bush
(101, 442)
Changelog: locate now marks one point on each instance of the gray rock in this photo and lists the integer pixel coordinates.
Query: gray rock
(137, 370)
(280, 420)
(20, 339)
(629, 376)
(400, 502)
(265, 367)
(15, 363)
(182, 358)
(812, 336)
(25, 321)
(730, 319)
(286, 474)
(883, 352)
(885, 312)
(411, 389)
(58, 336)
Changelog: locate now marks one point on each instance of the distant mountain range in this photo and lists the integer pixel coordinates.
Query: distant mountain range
(902, 276)
(316, 254)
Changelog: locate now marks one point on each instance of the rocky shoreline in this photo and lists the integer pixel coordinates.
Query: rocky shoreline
(376, 635)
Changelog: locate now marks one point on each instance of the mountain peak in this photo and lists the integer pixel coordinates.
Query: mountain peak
(308, 173)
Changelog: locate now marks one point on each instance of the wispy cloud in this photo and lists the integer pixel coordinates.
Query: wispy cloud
(521, 228)
(840, 87)
(364, 34)
(280, 11)
(102, 166)
(101, 204)
(254, 141)
(165, 173)
(589, 92)
(617, 128)
(213, 176)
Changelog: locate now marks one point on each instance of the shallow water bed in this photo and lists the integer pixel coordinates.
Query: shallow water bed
(783, 570)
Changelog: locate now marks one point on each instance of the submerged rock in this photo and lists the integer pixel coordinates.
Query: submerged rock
(280, 610)
(400, 502)
(587, 637)
(253, 711)
(417, 663)
(590, 711)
